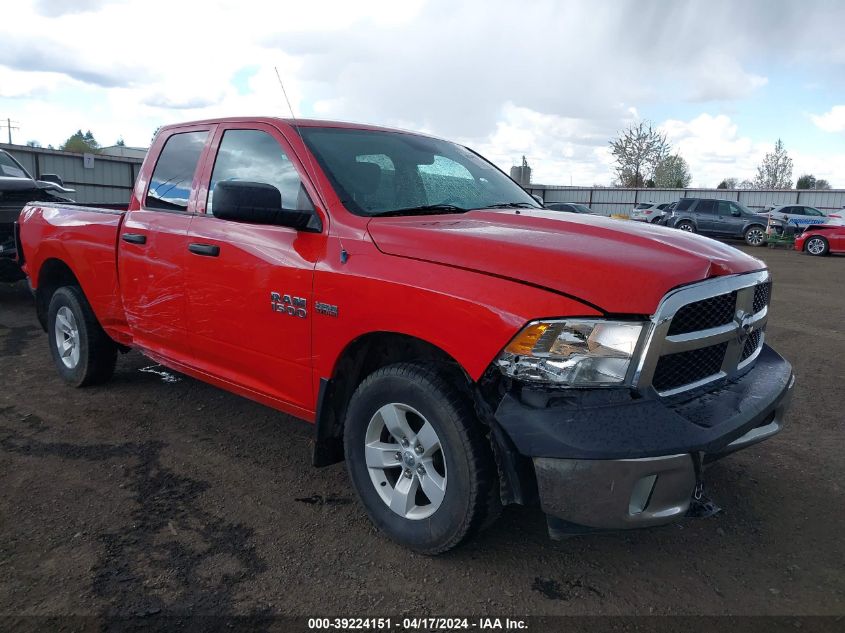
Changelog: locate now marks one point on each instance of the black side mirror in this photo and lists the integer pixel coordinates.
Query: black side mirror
(255, 202)
(54, 178)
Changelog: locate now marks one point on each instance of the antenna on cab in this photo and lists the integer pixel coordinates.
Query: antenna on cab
(344, 256)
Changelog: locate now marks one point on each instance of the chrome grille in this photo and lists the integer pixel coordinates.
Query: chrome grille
(751, 344)
(704, 314)
(704, 332)
(684, 368)
(762, 295)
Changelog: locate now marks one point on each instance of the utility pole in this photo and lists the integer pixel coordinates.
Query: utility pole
(9, 127)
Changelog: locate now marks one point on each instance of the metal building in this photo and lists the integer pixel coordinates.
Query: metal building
(97, 178)
(618, 201)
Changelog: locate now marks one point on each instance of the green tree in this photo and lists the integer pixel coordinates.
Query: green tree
(672, 173)
(120, 142)
(81, 143)
(638, 150)
(728, 183)
(775, 172)
(809, 181)
(33, 144)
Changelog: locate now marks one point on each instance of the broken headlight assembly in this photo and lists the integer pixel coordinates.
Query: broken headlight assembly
(572, 352)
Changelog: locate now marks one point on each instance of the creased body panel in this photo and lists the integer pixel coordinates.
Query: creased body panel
(468, 315)
(620, 267)
(85, 239)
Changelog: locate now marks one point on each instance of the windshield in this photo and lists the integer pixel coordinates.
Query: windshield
(377, 172)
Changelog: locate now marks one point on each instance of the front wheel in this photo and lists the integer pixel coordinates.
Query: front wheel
(817, 245)
(418, 458)
(82, 352)
(755, 235)
(686, 226)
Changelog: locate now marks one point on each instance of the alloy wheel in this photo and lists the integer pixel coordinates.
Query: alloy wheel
(405, 461)
(67, 337)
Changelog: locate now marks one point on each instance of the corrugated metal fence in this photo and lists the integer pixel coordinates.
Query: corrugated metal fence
(610, 201)
(105, 180)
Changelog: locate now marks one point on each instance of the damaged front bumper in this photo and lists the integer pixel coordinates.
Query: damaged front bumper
(607, 460)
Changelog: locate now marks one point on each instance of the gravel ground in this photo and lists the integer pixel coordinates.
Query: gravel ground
(145, 496)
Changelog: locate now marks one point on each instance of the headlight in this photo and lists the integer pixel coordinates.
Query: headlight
(572, 352)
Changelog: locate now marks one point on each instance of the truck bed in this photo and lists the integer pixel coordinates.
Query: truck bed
(85, 240)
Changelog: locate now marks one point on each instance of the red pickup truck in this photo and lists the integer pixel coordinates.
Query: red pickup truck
(459, 346)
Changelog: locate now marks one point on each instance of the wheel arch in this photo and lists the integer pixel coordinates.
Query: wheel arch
(53, 274)
(360, 358)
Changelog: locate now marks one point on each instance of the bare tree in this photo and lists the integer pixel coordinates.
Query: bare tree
(638, 150)
(672, 172)
(745, 184)
(775, 172)
(728, 183)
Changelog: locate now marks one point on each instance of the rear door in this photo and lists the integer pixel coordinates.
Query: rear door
(705, 216)
(249, 286)
(152, 246)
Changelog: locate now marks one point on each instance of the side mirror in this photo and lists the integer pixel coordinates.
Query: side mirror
(255, 202)
(54, 178)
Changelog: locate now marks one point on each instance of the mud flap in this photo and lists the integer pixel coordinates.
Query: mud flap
(701, 506)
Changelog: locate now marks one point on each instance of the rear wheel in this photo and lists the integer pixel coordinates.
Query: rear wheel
(755, 235)
(82, 352)
(816, 245)
(418, 458)
(687, 226)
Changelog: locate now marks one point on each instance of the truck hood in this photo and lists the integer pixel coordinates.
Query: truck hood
(616, 266)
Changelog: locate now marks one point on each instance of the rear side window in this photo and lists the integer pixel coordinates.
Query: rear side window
(170, 186)
(255, 156)
(684, 204)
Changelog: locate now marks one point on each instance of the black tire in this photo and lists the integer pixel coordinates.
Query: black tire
(821, 250)
(471, 500)
(96, 353)
(755, 235)
(686, 226)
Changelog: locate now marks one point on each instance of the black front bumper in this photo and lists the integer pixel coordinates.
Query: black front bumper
(609, 459)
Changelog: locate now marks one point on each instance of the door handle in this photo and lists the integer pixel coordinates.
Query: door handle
(134, 238)
(209, 250)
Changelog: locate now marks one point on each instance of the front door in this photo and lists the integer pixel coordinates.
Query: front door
(728, 219)
(152, 248)
(249, 286)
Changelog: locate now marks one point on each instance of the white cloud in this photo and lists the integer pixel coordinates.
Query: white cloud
(832, 121)
(551, 79)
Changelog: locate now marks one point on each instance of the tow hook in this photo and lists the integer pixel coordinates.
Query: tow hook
(701, 506)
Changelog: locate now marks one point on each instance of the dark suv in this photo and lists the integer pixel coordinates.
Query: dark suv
(718, 218)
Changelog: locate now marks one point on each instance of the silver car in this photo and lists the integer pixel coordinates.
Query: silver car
(648, 211)
(802, 216)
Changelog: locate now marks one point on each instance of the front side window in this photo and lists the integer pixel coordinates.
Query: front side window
(377, 172)
(705, 206)
(170, 186)
(255, 156)
(812, 211)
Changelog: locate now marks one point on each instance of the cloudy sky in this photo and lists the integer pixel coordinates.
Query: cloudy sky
(550, 80)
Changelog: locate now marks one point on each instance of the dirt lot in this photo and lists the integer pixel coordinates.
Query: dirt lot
(146, 496)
